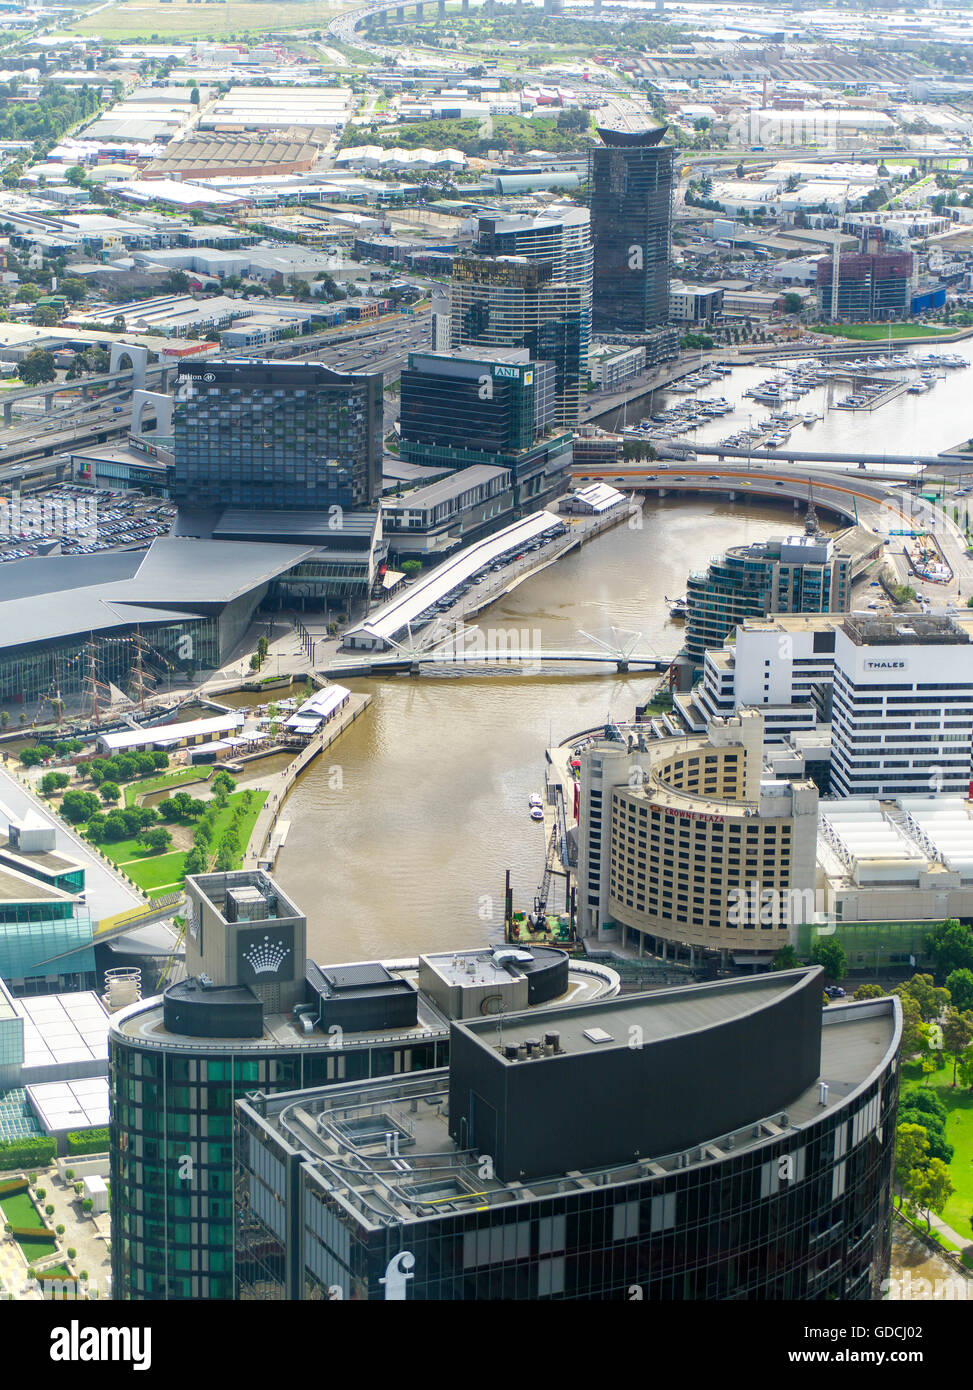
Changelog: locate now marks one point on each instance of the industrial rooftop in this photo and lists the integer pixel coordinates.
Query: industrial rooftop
(343, 1129)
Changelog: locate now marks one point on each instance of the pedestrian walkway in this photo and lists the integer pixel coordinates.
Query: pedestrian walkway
(281, 782)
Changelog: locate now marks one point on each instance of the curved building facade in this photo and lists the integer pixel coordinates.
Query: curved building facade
(771, 1181)
(690, 844)
(630, 190)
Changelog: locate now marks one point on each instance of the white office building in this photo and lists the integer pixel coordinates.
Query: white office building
(902, 710)
(782, 665)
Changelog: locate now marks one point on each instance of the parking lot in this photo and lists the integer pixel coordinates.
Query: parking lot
(70, 520)
(502, 562)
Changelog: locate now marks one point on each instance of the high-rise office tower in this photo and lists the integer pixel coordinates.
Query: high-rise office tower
(529, 286)
(630, 186)
(522, 1173)
(476, 406)
(273, 436)
(902, 706)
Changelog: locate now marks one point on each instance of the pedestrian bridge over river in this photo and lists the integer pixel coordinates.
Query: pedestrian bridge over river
(463, 648)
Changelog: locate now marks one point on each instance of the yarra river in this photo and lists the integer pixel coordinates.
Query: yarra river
(401, 833)
(410, 820)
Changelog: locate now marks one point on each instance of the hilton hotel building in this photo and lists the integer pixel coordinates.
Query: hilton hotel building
(670, 839)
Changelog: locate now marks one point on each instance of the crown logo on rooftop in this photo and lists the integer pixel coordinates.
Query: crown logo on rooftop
(266, 957)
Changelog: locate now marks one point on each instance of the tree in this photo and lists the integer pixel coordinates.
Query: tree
(195, 862)
(965, 1068)
(77, 806)
(911, 1151)
(53, 782)
(156, 838)
(28, 293)
(109, 792)
(931, 1000)
(223, 782)
(929, 1188)
(30, 757)
(37, 368)
(923, 1107)
(831, 956)
(176, 282)
(44, 316)
(115, 827)
(255, 662)
(792, 303)
(915, 1033)
(869, 991)
(951, 946)
(785, 959)
(960, 986)
(76, 175)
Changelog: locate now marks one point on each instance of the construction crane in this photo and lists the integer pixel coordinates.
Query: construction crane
(537, 920)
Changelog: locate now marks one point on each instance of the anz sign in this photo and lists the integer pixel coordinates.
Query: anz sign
(513, 372)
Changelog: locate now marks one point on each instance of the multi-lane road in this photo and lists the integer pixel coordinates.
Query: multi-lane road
(32, 447)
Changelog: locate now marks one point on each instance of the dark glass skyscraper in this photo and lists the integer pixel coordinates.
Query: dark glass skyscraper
(486, 407)
(630, 182)
(271, 436)
(529, 286)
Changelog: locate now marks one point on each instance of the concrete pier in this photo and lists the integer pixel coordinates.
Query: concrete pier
(283, 781)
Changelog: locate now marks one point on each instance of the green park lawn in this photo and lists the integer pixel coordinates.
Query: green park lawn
(154, 871)
(877, 332)
(165, 780)
(959, 1131)
(19, 1210)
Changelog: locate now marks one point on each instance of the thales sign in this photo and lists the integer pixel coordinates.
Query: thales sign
(879, 664)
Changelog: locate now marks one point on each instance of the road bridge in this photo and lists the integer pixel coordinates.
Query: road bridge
(864, 501)
(787, 455)
(160, 371)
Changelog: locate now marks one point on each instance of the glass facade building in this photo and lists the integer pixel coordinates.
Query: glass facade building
(172, 1235)
(270, 436)
(252, 1015)
(630, 183)
(801, 574)
(870, 286)
(530, 286)
(473, 407)
(360, 1192)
